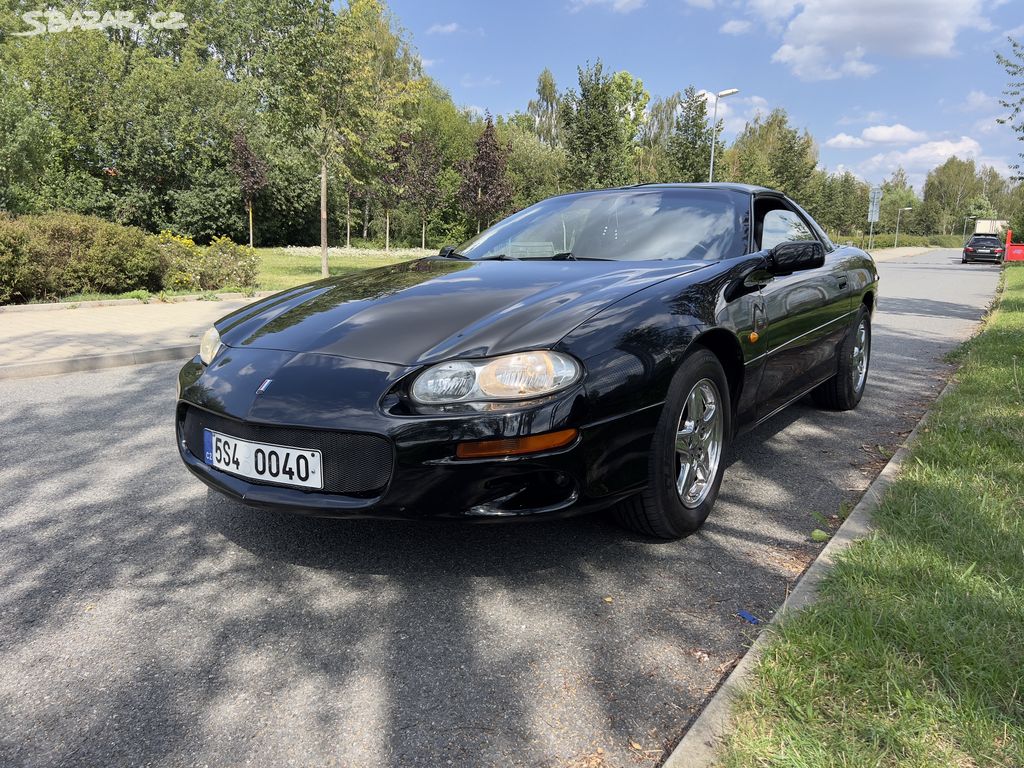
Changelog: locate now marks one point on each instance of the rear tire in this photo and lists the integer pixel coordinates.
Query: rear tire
(686, 461)
(844, 390)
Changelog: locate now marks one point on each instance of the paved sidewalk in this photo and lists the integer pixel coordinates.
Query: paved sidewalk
(39, 337)
(890, 254)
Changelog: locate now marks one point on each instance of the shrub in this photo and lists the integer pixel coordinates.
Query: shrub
(120, 259)
(223, 263)
(13, 261)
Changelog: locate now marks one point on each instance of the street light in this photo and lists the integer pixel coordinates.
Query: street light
(896, 243)
(966, 219)
(714, 128)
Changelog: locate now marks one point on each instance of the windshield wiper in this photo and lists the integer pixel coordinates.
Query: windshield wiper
(499, 257)
(570, 256)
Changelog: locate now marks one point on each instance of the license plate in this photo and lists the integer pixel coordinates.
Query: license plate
(276, 464)
(984, 250)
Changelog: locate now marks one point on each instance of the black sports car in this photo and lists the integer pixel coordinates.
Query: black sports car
(598, 349)
(983, 248)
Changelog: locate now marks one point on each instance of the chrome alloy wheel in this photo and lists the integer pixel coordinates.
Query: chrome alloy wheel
(699, 443)
(861, 351)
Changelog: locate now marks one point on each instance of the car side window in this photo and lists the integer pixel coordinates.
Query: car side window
(783, 226)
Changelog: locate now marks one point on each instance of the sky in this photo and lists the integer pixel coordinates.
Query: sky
(878, 83)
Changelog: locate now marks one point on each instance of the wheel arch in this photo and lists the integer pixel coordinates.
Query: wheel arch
(724, 345)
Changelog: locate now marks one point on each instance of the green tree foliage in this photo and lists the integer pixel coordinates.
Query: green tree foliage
(598, 130)
(653, 163)
(1013, 94)
(948, 190)
(544, 110)
(486, 192)
(689, 147)
(774, 154)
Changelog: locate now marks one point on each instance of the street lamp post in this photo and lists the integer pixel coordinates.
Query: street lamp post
(714, 129)
(896, 243)
(966, 219)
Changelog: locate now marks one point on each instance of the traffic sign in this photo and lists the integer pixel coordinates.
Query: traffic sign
(875, 203)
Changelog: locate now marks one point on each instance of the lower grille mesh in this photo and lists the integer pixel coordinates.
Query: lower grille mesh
(354, 464)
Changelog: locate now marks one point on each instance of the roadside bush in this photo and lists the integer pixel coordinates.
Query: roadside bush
(888, 239)
(13, 261)
(221, 264)
(119, 259)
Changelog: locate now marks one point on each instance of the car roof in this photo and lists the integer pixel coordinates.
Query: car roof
(728, 186)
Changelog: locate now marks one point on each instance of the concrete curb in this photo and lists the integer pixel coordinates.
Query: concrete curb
(49, 307)
(97, 362)
(699, 746)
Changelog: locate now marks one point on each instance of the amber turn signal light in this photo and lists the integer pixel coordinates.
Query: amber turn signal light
(516, 446)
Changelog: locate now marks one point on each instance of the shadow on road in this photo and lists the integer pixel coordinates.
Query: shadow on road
(145, 619)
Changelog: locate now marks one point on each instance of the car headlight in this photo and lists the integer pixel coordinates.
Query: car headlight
(519, 376)
(209, 346)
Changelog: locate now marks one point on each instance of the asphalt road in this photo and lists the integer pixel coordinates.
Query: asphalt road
(145, 621)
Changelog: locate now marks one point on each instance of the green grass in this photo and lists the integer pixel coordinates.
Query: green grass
(282, 268)
(914, 656)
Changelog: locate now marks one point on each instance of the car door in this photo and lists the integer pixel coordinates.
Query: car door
(805, 311)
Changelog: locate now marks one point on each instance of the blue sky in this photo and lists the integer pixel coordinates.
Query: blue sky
(879, 83)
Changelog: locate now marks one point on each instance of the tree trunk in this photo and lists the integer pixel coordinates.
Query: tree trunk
(248, 207)
(366, 218)
(348, 219)
(324, 271)
(423, 233)
(387, 229)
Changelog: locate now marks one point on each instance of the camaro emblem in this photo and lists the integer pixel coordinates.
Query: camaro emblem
(263, 387)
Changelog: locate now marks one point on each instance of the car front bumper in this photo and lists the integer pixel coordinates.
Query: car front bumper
(404, 466)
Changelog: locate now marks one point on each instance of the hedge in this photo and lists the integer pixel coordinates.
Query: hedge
(51, 256)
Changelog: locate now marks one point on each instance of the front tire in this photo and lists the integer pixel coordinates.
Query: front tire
(686, 461)
(844, 390)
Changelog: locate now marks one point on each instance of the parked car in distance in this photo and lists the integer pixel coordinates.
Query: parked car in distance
(596, 350)
(983, 248)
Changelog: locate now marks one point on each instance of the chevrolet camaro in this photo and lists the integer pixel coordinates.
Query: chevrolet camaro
(596, 350)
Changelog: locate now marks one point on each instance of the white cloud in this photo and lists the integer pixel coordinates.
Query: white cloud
(829, 39)
(897, 133)
(735, 27)
(926, 156)
(444, 29)
(978, 100)
(845, 141)
(618, 6)
(428, 63)
(892, 134)
(812, 62)
(479, 81)
(873, 116)
(705, 4)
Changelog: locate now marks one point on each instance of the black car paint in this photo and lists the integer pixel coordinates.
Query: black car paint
(342, 352)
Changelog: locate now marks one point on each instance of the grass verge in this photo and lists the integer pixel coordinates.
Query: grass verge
(282, 268)
(914, 654)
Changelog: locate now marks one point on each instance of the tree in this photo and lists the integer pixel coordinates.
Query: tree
(1014, 92)
(597, 136)
(423, 167)
(545, 109)
(251, 171)
(772, 153)
(689, 148)
(947, 192)
(485, 192)
(652, 158)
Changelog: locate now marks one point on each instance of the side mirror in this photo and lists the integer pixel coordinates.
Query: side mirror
(789, 257)
(446, 250)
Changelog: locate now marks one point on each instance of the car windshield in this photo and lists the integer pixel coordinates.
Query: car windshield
(984, 241)
(619, 225)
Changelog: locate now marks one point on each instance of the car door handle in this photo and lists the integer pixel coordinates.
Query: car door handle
(841, 280)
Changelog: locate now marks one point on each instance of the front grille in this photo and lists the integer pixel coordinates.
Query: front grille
(354, 464)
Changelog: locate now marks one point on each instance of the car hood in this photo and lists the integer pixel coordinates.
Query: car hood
(433, 309)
